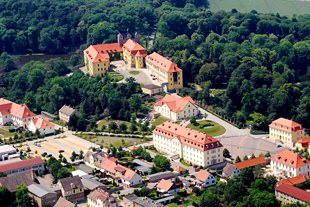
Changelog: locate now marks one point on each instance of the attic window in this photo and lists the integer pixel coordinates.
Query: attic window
(188, 133)
(275, 124)
(169, 127)
(207, 146)
(201, 138)
(195, 136)
(175, 129)
(218, 144)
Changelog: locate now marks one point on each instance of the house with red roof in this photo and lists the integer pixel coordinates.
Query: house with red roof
(179, 169)
(290, 164)
(165, 186)
(251, 162)
(289, 194)
(175, 108)
(190, 145)
(169, 75)
(36, 164)
(17, 114)
(134, 54)
(303, 144)
(294, 180)
(45, 127)
(99, 198)
(286, 131)
(205, 179)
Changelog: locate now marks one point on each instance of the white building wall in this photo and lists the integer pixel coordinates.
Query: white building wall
(36, 168)
(186, 113)
(289, 171)
(46, 130)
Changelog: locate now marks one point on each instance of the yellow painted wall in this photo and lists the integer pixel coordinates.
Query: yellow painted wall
(286, 137)
(151, 91)
(100, 68)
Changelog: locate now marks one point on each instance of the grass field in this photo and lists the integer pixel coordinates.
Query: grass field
(134, 72)
(283, 7)
(118, 78)
(6, 133)
(116, 141)
(159, 120)
(215, 130)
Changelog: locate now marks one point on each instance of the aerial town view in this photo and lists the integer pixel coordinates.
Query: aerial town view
(153, 103)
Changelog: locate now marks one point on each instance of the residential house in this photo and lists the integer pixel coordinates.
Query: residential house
(11, 182)
(133, 54)
(300, 179)
(98, 198)
(303, 144)
(72, 188)
(36, 164)
(66, 112)
(289, 194)
(192, 146)
(16, 114)
(229, 172)
(175, 108)
(205, 179)
(43, 196)
(165, 186)
(251, 163)
(169, 75)
(45, 127)
(286, 131)
(290, 164)
(109, 166)
(128, 200)
(151, 89)
(91, 184)
(64, 203)
(94, 159)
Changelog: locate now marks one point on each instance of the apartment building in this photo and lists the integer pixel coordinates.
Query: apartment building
(36, 164)
(175, 108)
(287, 131)
(190, 145)
(290, 164)
(167, 72)
(289, 194)
(66, 112)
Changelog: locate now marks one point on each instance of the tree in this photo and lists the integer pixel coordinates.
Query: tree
(260, 199)
(63, 173)
(81, 154)
(64, 160)
(211, 199)
(113, 150)
(37, 132)
(113, 126)
(245, 158)
(203, 202)
(22, 197)
(176, 180)
(246, 176)
(74, 60)
(258, 170)
(193, 119)
(237, 159)
(234, 191)
(72, 158)
(226, 153)
(135, 103)
(259, 184)
(162, 161)
(6, 197)
(120, 149)
(267, 154)
(123, 127)
(60, 156)
(2, 174)
(15, 136)
(253, 156)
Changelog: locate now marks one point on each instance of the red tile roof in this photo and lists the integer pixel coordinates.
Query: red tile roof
(304, 142)
(286, 125)
(174, 103)
(165, 185)
(128, 174)
(134, 48)
(290, 158)
(295, 180)
(133, 148)
(109, 165)
(100, 53)
(41, 123)
(294, 192)
(162, 62)
(250, 163)
(203, 175)
(21, 164)
(179, 169)
(21, 111)
(187, 136)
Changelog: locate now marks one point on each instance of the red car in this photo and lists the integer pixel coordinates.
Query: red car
(61, 151)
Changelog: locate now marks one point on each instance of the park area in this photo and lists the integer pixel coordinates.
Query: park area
(283, 7)
(209, 127)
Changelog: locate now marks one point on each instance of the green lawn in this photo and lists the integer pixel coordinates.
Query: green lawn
(185, 163)
(216, 130)
(107, 122)
(7, 133)
(159, 120)
(118, 78)
(61, 123)
(134, 72)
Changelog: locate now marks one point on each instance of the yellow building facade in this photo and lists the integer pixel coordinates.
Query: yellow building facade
(287, 131)
(167, 72)
(134, 54)
(151, 89)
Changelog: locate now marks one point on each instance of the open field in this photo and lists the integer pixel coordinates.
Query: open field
(107, 122)
(117, 141)
(55, 148)
(215, 130)
(159, 120)
(283, 7)
(7, 133)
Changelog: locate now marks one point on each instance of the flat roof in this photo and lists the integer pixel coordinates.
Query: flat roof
(165, 199)
(141, 163)
(6, 148)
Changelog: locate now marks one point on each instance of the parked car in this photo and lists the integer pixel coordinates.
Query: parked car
(49, 155)
(99, 150)
(61, 151)
(44, 153)
(28, 150)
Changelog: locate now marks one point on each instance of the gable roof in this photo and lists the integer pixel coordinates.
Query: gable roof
(203, 175)
(229, 169)
(100, 53)
(66, 183)
(164, 185)
(64, 203)
(134, 47)
(175, 104)
(18, 110)
(286, 125)
(294, 180)
(187, 136)
(179, 169)
(162, 62)
(67, 110)
(11, 182)
(295, 192)
(41, 123)
(40, 190)
(304, 142)
(290, 158)
(128, 175)
(133, 148)
(109, 165)
(21, 164)
(250, 163)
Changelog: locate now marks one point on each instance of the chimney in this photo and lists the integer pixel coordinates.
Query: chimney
(33, 175)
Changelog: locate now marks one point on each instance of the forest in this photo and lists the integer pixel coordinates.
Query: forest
(259, 61)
